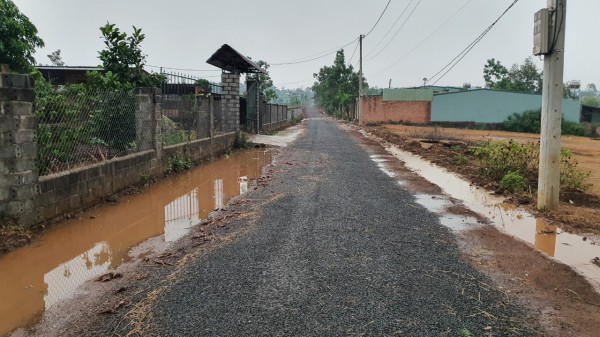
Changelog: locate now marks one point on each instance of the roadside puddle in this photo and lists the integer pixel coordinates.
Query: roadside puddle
(573, 250)
(36, 277)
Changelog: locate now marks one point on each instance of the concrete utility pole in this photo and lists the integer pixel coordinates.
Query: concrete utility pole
(552, 99)
(360, 82)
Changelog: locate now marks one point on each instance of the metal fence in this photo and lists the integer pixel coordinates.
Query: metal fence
(187, 105)
(78, 126)
(273, 113)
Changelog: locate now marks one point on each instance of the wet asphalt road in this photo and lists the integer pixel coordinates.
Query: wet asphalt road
(343, 251)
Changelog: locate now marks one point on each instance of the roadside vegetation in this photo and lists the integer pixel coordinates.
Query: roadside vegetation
(336, 87)
(509, 168)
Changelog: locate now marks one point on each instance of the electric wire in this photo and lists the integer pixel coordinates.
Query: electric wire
(354, 52)
(426, 38)
(448, 67)
(390, 29)
(331, 51)
(397, 32)
(376, 23)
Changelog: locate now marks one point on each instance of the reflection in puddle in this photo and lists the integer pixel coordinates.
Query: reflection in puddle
(567, 248)
(36, 277)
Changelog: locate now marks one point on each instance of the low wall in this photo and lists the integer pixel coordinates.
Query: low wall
(275, 126)
(376, 110)
(76, 189)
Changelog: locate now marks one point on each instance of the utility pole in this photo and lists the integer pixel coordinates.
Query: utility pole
(552, 98)
(360, 82)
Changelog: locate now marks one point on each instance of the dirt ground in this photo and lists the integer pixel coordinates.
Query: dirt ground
(579, 211)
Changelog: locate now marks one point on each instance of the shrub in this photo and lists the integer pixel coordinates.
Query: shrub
(242, 141)
(513, 182)
(570, 176)
(497, 159)
(179, 162)
(530, 122)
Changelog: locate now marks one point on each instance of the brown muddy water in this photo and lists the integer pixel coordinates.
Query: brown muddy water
(573, 250)
(36, 277)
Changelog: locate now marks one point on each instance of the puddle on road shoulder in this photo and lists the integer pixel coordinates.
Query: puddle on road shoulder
(36, 277)
(570, 249)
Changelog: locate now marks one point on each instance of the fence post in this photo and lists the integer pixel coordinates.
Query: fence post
(18, 151)
(211, 116)
(148, 120)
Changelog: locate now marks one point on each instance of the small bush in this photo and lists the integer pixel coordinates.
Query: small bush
(461, 159)
(497, 159)
(242, 140)
(530, 122)
(570, 176)
(179, 162)
(513, 182)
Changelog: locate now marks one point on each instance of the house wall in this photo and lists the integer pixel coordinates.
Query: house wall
(376, 110)
(491, 106)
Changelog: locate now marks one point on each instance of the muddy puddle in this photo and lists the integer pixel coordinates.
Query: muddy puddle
(573, 250)
(36, 277)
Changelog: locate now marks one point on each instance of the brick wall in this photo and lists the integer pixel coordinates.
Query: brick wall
(376, 110)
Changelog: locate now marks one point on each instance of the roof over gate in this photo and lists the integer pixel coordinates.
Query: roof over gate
(229, 59)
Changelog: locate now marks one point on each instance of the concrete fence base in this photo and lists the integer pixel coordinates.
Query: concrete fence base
(28, 199)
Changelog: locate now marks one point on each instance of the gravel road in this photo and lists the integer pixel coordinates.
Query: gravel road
(342, 250)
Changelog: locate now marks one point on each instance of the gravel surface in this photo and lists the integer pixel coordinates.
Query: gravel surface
(341, 250)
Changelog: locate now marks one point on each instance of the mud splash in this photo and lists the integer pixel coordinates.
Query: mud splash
(573, 250)
(35, 278)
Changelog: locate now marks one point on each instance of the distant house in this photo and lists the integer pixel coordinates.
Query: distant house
(429, 104)
(398, 105)
(491, 106)
(65, 75)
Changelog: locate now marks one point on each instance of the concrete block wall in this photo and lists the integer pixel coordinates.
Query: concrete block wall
(230, 100)
(27, 199)
(18, 150)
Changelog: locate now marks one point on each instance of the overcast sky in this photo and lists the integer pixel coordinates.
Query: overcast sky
(184, 33)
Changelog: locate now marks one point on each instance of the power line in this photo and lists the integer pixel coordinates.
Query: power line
(426, 38)
(389, 30)
(334, 50)
(398, 31)
(353, 53)
(376, 23)
(472, 45)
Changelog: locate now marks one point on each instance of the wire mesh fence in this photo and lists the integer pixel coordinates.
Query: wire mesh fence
(78, 126)
(186, 103)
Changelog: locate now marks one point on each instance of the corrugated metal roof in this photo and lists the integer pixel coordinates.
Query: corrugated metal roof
(407, 95)
(231, 60)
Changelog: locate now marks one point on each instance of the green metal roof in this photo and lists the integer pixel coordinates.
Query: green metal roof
(408, 95)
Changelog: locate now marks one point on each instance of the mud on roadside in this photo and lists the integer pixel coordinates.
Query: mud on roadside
(559, 300)
(579, 211)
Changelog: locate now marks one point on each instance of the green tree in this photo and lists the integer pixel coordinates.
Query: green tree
(123, 61)
(56, 58)
(495, 74)
(591, 101)
(265, 82)
(520, 78)
(336, 87)
(18, 38)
